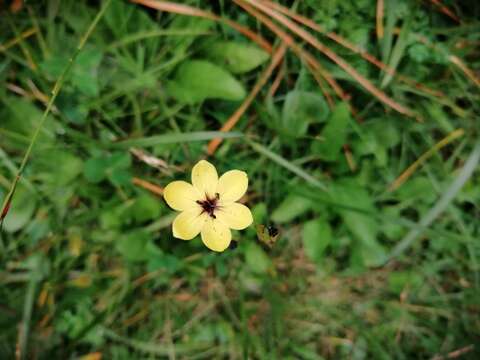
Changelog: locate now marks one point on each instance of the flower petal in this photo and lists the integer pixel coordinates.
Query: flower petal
(180, 195)
(232, 185)
(188, 224)
(205, 178)
(216, 235)
(235, 216)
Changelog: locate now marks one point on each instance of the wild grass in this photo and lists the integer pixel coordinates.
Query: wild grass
(356, 121)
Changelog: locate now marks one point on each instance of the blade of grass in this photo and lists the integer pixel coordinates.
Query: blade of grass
(262, 80)
(398, 51)
(387, 40)
(424, 157)
(175, 138)
(287, 165)
(55, 91)
(24, 327)
(365, 83)
(39, 35)
(379, 19)
(448, 196)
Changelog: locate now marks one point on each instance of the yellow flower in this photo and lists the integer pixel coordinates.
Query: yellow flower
(209, 205)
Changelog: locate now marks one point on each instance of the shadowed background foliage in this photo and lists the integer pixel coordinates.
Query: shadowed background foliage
(356, 121)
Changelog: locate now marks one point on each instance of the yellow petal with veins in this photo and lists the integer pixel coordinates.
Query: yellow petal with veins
(216, 235)
(181, 195)
(236, 216)
(232, 185)
(188, 224)
(205, 178)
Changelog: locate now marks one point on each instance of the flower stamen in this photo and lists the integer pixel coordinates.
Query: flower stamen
(209, 205)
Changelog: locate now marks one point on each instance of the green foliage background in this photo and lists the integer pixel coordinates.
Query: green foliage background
(89, 264)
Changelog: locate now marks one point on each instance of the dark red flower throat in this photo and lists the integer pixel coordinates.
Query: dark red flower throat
(209, 205)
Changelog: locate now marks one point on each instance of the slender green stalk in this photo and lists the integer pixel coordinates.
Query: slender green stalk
(27, 312)
(56, 89)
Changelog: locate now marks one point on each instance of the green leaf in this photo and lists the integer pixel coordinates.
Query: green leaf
(300, 109)
(334, 134)
(198, 80)
(259, 212)
(292, 207)
(418, 189)
(236, 57)
(23, 117)
(113, 166)
(362, 226)
(60, 167)
(317, 235)
(133, 246)
(21, 211)
(120, 177)
(256, 259)
(84, 76)
(85, 72)
(94, 169)
(146, 207)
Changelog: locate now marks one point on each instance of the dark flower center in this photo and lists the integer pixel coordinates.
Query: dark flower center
(209, 205)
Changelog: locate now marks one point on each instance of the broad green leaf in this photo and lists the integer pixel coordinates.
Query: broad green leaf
(418, 189)
(256, 258)
(22, 118)
(385, 131)
(114, 166)
(133, 246)
(84, 75)
(235, 56)
(59, 167)
(198, 80)
(85, 72)
(333, 134)
(146, 207)
(21, 211)
(120, 177)
(300, 109)
(317, 235)
(292, 207)
(94, 169)
(259, 212)
(362, 226)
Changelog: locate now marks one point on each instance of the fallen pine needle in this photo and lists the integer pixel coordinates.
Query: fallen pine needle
(155, 189)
